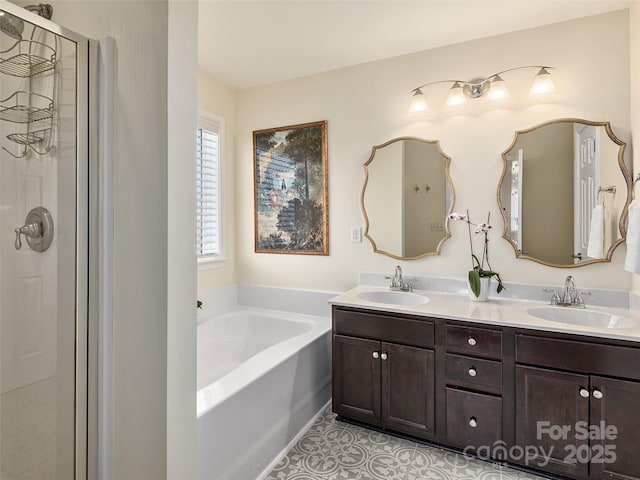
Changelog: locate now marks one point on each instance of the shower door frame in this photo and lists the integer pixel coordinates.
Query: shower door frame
(85, 442)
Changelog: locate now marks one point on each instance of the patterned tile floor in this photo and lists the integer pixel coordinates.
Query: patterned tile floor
(340, 451)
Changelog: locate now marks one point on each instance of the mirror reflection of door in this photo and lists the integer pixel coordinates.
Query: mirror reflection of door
(515, 170)
(587, 164)
(572, 207)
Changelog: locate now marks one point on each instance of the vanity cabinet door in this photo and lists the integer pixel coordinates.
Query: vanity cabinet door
(549, 404)
(614, 413)
(473, 420)
(356, 378)
(408, 389)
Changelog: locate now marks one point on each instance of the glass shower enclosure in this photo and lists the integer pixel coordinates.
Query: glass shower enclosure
(44, 195)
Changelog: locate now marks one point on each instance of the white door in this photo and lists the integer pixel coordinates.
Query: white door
(515, 165)
(28, 295)
(587, 163)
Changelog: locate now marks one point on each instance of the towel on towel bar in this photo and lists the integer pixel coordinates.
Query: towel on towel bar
(595, 247)
(632, 262)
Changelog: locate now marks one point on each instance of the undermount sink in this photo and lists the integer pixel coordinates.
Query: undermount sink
(390, 297)
(585, 318)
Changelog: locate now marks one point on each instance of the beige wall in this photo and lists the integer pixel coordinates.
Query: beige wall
(182, 101)
(367, 105)
(216, 98)
(153, 355)
(634, 26)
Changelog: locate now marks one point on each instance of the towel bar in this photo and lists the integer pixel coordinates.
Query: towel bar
(610, 189)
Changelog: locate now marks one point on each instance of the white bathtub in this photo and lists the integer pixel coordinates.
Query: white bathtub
(262, 376)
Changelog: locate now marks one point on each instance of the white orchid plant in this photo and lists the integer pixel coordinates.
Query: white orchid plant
(480, 268)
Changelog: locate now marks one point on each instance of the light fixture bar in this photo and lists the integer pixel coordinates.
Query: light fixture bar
(493, 85)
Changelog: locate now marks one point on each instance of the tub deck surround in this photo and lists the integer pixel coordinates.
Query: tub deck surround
(498, 311)
(239, 345)
(307, 302)
(262, 376)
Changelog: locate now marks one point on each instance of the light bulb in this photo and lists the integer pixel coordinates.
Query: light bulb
(542, 83)
(418, 103)
(456, 96)
(498, 90)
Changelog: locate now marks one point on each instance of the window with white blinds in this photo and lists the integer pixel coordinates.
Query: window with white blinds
(208, 153)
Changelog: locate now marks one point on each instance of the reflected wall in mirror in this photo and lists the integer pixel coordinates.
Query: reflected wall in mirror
(564, 193)
(406, 198)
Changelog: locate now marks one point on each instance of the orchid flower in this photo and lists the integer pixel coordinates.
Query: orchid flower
(478, 266)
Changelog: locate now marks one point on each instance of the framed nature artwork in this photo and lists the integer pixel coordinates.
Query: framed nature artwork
(290, 189)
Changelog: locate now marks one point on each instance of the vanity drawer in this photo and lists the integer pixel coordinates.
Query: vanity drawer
(584, 357)
(405, 331)
(473, 419)
(480, 342)
(474, 371)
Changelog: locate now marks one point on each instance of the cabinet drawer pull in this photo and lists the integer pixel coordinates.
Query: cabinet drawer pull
(473, 423)
(376, 355)
(597, 393)
(384, 356)
(472, 341)
(473, 372)
(584, 393)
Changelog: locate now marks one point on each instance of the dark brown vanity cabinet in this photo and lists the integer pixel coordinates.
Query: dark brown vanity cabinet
(473, 386)
(356, 378)
(572, 414)
(560, 403)
(617, 405)
(385, 383)
(545, 401)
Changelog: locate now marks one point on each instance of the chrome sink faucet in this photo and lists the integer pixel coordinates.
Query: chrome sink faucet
(571, 296)
(569, 290)
(398, 282)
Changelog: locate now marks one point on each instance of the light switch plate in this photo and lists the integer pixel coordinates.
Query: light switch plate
(356, 234)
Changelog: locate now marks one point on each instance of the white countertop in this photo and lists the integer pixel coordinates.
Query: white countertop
(498, 311)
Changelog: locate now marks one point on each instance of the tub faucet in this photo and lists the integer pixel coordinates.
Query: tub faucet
(398, 282)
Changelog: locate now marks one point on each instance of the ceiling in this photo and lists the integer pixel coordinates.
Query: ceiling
(246, 44)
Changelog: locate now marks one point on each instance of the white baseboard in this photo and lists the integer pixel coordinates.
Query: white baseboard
(293, 441)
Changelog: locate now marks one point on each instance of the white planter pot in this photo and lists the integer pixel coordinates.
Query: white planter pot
(485, 286)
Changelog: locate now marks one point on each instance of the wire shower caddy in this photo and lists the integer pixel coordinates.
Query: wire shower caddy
(34, 111)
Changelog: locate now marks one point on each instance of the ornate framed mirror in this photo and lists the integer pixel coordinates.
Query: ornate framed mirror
(564, 193)
(406, 198)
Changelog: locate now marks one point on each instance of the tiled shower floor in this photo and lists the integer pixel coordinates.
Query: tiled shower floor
(340, 451)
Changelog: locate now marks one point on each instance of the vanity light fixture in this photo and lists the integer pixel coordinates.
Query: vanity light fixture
(542, 83)
(498, 90)
(456, 96)
(493, 87)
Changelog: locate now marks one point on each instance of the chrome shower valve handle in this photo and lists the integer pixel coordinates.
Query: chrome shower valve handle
(32, 231)
(37, 230)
